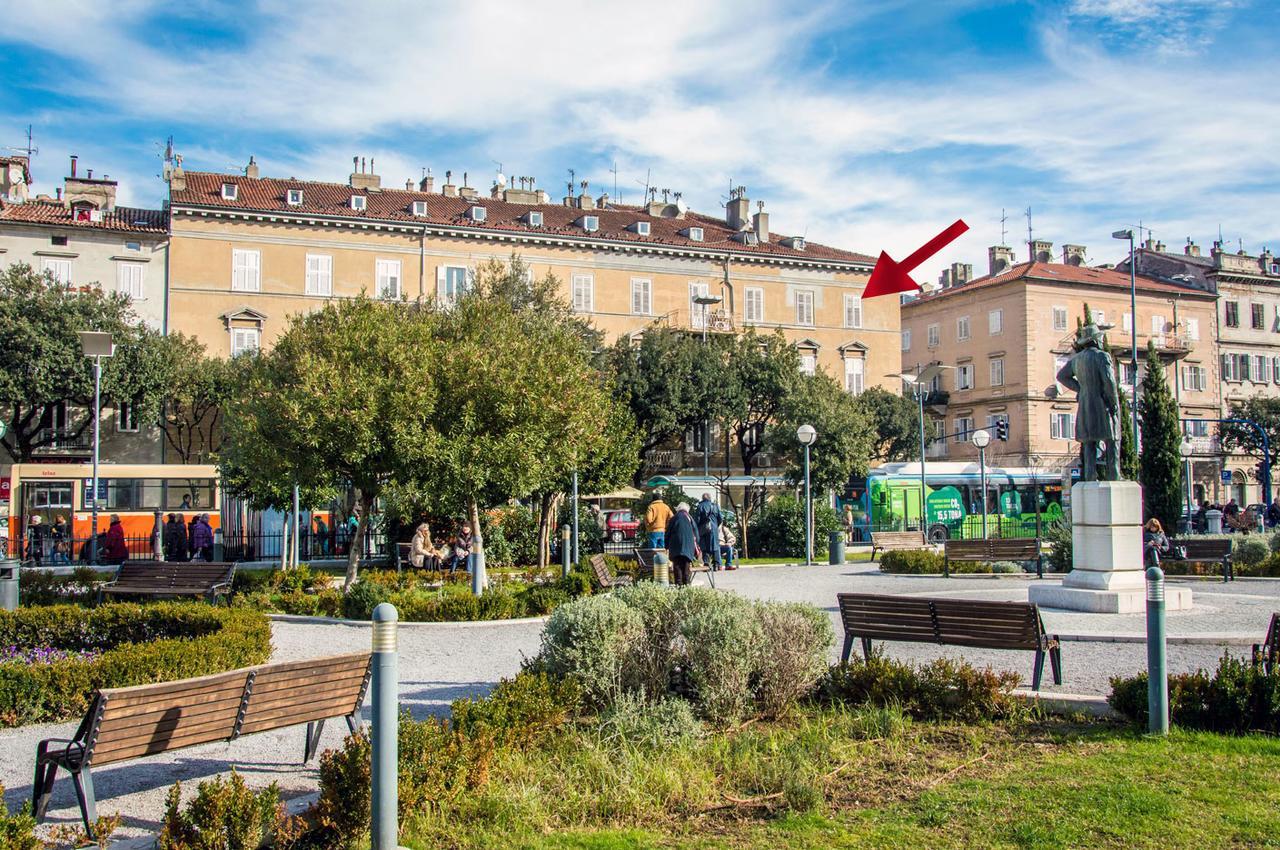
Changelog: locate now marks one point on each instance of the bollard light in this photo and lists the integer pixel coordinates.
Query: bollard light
(1157, 661)
(386, 720)
(661, 569)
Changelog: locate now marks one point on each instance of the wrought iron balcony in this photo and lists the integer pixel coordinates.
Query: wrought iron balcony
(63, 440)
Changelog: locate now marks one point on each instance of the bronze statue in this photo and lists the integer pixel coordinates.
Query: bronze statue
(1091, 374)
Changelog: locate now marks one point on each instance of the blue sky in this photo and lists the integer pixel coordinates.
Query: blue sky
(867, 125)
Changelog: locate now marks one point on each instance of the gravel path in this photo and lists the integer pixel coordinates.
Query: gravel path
(441, 662)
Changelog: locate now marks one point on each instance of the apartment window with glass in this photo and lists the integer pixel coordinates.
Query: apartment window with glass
(1257, 318)
(964, 425)
(1261, 369)
(1193, 329)
(906, 340)
(319, 274)
(245, 340)
(1235, 367)
(994, 420)
(964, 376)
(852, 311)
(995, 322)
(246, 268)
(804, 308)
(1275, 369)
(59, 268)
(584, 293)
(1232, 313)
(641, 296)
(962, 328)
(1127, 323)
(1062, 426)
(1128, 375)
(126, 417)
(1157, 325)
(388, 275)
(997, 371)
(753, 306)
(1059, 318)
(129, 279)
(809, 362)
(934, 335)
(854, 375)
(1195, 378)
(451, 283)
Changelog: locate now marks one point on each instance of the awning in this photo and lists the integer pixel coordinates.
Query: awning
(624, 493)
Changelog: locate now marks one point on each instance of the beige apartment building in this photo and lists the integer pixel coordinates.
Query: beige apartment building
(1003, 337)
(248, 252)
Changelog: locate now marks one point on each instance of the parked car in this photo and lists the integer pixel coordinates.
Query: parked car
(620, 525)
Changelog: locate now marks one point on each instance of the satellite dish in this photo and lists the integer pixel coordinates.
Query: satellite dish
(681, 206)
(502, 179)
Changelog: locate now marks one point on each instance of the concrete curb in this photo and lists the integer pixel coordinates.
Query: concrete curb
(1207, 639)
(339, 621)
(1054, 703)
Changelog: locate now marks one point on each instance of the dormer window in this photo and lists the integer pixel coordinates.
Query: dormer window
(230, 191)
(294, 197)
(420, 208)
(693, 233)
(642, 228)
(533, 219)
(359, 203)
(795, 243)
(590, 223)
(478, 213)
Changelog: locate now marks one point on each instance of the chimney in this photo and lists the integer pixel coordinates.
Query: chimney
(603, 201)
(59, 191)
(408, 185)
(1073, 255)
(738, 208)
(1160, 246)
(73, 164)
(586, 202)
(449, 189)
(999, 259)
(1191, 249)
(362, 176)
(100, 194)
(760, 223)
(1264, 261)
(251, 170)
(1149, 244)
(1041, 251)
(427, 184)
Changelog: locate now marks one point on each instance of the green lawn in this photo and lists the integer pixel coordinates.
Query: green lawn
(851, 557)
(871, 781)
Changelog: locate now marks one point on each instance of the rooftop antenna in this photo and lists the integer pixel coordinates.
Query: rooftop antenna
(571, 176)
(647, 175)
(614, 172)
(1030, 238)
(31, 150)
(1004, 228)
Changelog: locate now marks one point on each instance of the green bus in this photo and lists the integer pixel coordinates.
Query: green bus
(1018, 503)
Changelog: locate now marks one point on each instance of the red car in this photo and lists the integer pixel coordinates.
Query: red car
(620, 525)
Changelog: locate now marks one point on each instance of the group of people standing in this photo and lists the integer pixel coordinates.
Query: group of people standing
(426, 552)
(188, 541)
(53, 543)
(691, 535)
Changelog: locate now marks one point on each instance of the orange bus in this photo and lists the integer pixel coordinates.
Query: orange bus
(134, 492)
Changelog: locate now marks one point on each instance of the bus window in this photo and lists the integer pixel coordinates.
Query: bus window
(49, 495)
(189, 494)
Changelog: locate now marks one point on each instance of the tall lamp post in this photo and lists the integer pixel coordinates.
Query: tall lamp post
(981, 438)
(1185, 449)
(920, 383)
(1133, 326)
(96, 345)
(807, 437)
(705, 301)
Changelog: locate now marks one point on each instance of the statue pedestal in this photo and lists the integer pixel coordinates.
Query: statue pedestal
(1108, 576)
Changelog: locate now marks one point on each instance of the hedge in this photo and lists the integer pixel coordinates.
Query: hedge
(929, 562)
(1236, 698)
(137, 644)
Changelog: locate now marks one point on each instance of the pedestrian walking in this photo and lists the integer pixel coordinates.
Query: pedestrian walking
(59, 541)
(322, 534)
(114, 549)
(191, 534)
(682, 545)
(709, 520)
(37, 534)
(202, 539)
(656, 517)
(848, 524)
(175, 538)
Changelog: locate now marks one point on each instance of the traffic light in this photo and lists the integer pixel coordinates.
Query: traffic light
(1002, 429)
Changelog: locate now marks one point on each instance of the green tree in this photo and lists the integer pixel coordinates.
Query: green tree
(1160, 465)
(199, 387)
(342, 399)
(1129, 466)
(844, 433)
(1242, 438)
(42, 364)
(895, 424)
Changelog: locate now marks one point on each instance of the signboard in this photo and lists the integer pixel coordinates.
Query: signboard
(945, 505)
(6, 484)
(1226, 476)
(102, 488)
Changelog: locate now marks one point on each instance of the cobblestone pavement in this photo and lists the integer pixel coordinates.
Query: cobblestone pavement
(441, 662)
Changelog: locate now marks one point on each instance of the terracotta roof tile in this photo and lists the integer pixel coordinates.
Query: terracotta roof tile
(127, 219)
(1060, 273)
(204, 189)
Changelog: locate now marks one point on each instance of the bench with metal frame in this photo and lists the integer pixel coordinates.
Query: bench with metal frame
(207, 579)
(888, 541)
(607, 580)
(990, 549)
(949, 622)
(1187, 549)
(143, 720)
(1267, 653)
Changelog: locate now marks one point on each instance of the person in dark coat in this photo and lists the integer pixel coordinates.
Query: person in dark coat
(709, 520)
(682, 545)
(202, 539)
(114, 549)
(175, 538)
(1091, 374)
(37, 533)
(191, 533)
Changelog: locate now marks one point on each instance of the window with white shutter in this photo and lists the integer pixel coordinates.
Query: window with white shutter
(1059, 318)
(641, 296)
(1193, 329)
(753, 305)
(244, 340)
(1099, 317)
(246, 270)
(1261, 369)
(962, 328)
(388, 279)
(964, 377)
(1061, 426)
(1127, 322)
(804, 309)
(809, 362)
(995, 322)
(1157, 325)
(1275, 369)
(997, 371)
(906, 340)
(933, 335)
(852, 311)
(319, 274)
(451, 283)
(854, 375)
(129, 279)
(58, 267)
(584, 294)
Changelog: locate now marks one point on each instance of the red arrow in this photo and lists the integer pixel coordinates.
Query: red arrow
(890, 276)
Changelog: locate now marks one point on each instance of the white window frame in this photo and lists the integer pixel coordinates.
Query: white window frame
(447, 291)
(643, 228)
(245, 340)
(753, 305)
(230, 192)
(1059, 318)
(1062, 425)
(695, 234)
(1193, 329)
(246, 270)
(420, 209)
(641, 296)
(964, 376)
(963, 425)
(934, 335)
(906, 339)
(962, 328)
(359, 203)
(584, 293)
(995, 322)
(591, 223)
(854, 375)
(1099, 317)
(1261, 370)
(808, 361)
(805, 309)
(852, 311)
(59, 267)
(293, 197)
(126, 418)
(699, 314)
(131, 280)
(319, 275)
(1127, 323)
(534, 218)
(385, 272)
(1157, 325)
(995, 369)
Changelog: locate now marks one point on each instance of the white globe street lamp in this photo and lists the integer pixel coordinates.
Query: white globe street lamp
(97, 345)
(807, 437)
(982, 438)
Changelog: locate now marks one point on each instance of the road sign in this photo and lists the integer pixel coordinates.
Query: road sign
(1226, 476)
(890, 276)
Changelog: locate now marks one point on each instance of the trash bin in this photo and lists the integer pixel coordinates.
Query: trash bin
(1213, 521)
(836, 547)
(9, 568)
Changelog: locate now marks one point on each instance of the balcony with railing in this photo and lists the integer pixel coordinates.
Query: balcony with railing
(664, 460)
(63, 441)
(694, 318)
(1170, 345)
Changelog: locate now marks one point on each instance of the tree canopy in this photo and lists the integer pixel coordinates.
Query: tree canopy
(1160, 464)
(895, 424)
(844, 433)
(1243, 438)
(199, 386)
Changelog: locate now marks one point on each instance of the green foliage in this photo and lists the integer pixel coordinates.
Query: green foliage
(895, 422)
(1058, 546)
(42, 587)
(199, 387)
(1249, 551)
(226, 814)
(778, 529)
(760, 374)
(1160, 466)
(1129, 465)
(137, 645)
(18, 830)
(943, 689)
(650, 725)
(520, 711)
(844, 433)
(911, 562)
(510, 536)
(1265, 411)
(1239, 697)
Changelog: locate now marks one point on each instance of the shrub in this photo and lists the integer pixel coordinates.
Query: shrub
(1057, 552)
(1006, 568)
(718, 661)
(130, 644)
(911, 562)
(797, 637)
(520, 711)
(1249, 551)
(41, 587)
(226, 815)
(944, 689)
(591, 640)
(778, 529)
(18, 831)
(1274, 542)
(543, 600)
(510, 536)
(360, 600)
(1239, 697)
(633, 720)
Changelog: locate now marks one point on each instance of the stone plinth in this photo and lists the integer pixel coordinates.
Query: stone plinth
(1107, 574)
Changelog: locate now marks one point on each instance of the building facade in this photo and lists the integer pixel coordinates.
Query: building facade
(1002, 338)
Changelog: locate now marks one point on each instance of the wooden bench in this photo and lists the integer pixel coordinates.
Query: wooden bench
(887, 541)
(1267, 653)
(950, 622)
(607, 580)
(128, 723)
(1202, 549)
(208, 579)
(993, 549)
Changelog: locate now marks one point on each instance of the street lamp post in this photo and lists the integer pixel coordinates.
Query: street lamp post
(981, 438)
(96, 345)
(919, 384)
(807, 437)
(1185, 449)
(704, 301)
(1133, 326)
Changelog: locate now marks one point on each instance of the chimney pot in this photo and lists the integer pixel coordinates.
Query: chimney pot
(999, 258)
(73, 164)
(59, 190)
(760, 222)
(90, 174)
